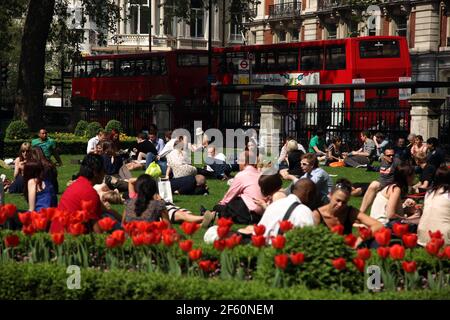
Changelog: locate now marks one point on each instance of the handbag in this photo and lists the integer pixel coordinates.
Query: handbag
(154, 170)
(165, 190)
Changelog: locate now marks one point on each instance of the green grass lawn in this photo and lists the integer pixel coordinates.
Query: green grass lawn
(217, 188)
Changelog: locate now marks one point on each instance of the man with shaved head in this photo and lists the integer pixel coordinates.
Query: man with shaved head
(294, 208)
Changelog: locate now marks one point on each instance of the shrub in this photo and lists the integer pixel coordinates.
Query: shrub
(92, 129)
(17, 130)
(113, 124)
(80, 129)
(320, 247)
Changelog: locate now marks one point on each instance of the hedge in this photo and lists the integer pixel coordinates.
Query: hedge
(45, 281)
(11, 147)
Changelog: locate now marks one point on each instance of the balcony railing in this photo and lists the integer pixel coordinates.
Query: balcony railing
(284, 10)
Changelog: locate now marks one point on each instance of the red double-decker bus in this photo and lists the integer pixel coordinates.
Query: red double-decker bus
(374, 59)
(127, 79)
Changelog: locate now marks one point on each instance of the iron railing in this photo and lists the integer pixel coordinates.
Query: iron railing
(285, 10)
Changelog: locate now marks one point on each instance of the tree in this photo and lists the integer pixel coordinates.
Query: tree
(46, 21)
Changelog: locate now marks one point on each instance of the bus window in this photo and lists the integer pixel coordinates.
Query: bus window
(335, 57)
(271, 62)
(107, 68)
(192, 60)
(163, 66)
(93, 69)
(311, 59)
(80, 70)
(288, 60)
(379, 49)
(143, 67)
(126, 68)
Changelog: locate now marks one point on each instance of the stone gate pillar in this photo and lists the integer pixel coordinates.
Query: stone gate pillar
(270, 133)
(425, 113)
(162, 112)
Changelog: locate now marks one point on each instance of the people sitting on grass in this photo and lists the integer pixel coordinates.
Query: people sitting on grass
(112, 162)
(81, 191)
(282, 161)
(338, 212)
(146, 204)
(401, 150)
(436, 156)
(238, 202)
(427, 172)
(388, 206)
(270, 183)
(310, 165)
(50, 171)
(334, 152)
(388, 164)
(38, 191)
(380, 144)
(317, 145)
(157, 142)
(418, 147)
(216, 165)
(178, 160)
(95, 141)
(24, 155)
(141, 150)
(436, 210)
(363, 156)
(114, 138)
(48, 145)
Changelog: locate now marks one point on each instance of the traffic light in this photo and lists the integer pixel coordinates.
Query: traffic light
(4, 73)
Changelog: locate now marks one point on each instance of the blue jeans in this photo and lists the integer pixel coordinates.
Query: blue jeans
(162, 163)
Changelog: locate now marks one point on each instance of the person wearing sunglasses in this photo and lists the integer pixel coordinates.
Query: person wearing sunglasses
(338, 212)
(19, 163)
(388, 164)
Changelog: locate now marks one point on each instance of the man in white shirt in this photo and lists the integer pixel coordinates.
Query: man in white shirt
(93, 142)
(303, 192)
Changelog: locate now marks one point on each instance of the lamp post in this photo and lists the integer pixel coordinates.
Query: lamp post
(209, 52)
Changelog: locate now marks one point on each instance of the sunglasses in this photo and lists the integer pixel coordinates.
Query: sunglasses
(304, 164)
(389, 155)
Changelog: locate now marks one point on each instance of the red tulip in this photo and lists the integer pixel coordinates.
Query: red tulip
(359, 264)
(119, 235)
(400, 229)
(339, 229)
(447, 252)
(297, 258)
(186, 245)
(383, 252)
(3, 217)
(350, 240)
(339, 263)
(233, 241)
(111, 242)
(28, 230)
(58, 238)
(195, 254)
(409, 240)
(225, 222)
(222, 232)
(12, 240)
(9, 209)
(76, 229)
(281, 261)
(151, 238)
(49, 213)
(189, 227)
(409, 266)
(365, 233)
(258, 241)
(219, 244)
(278, 242)
(138, 240)
(25, 218)
(435, 235)
(40, 223)
(286, 225)
(169, 236)
(106, 224)
(161, 225)
(397, 252)
(364, 254)
(433, 247)
(205, 265)
(259, 229)
(383, 236)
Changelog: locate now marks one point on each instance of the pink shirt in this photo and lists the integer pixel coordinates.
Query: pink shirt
(245, 185)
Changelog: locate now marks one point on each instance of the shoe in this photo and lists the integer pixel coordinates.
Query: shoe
(202, 210)
(369, 168)
(362, 166)
(208, 218)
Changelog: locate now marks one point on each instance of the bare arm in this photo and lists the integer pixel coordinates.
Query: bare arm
(393, 203)
(31, 194)
(18, 165)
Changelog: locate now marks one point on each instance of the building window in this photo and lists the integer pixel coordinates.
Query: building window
(282, 36)
(401, 23)
(139, 11)
(235, 28)
(197, 19)
(170, 21)
(331, 31)
(295, 35)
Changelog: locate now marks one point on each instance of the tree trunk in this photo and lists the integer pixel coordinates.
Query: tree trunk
(30, 83)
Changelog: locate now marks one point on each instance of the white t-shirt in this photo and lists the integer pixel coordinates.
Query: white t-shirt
(92, 144)
(300, 217)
